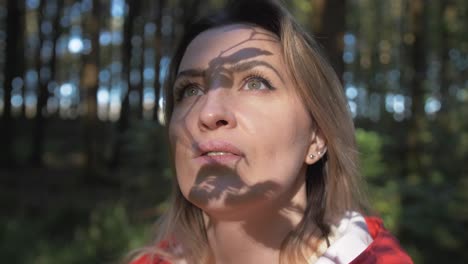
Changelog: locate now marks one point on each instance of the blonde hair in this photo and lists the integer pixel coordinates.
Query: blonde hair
(333, 183)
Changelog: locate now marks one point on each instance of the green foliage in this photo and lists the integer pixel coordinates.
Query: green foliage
(384, 190)
(107, 236)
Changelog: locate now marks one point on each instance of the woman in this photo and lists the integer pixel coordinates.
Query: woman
(264, 150)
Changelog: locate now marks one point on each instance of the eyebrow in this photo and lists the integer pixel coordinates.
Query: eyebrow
(237, 67)
(191, 73)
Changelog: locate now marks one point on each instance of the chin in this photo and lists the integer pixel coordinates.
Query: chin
(229, 205)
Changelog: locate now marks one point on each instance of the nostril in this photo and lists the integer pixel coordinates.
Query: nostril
(221, 123)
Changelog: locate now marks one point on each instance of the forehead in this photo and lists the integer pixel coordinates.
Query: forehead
(231, 44)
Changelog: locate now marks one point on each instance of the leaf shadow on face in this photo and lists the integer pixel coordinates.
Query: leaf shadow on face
(222, 184)
(222, 66)
(213, 183)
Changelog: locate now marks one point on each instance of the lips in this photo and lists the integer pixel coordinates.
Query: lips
(217, 148)
(217, 152)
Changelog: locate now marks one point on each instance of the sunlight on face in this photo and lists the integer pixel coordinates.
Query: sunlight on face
(239, 133)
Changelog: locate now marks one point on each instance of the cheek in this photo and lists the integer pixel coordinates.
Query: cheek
(174, 138)
(185, 173)
(179, 144)
(180, 132)
(278, 123)
(280, 135)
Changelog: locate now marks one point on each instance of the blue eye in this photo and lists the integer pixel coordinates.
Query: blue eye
(191, 90)
(187, 89)
(257, 83)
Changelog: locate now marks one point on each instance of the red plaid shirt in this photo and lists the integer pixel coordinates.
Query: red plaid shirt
(384, 248)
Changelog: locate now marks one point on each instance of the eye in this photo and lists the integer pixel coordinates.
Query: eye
(192, 90)
(187, 89)
(257, 83)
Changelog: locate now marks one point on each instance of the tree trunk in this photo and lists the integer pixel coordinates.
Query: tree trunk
(191, 8)
(158, 55)
(43, 93)
(413, 172)
(141, 86)
(89, 84)
(38, 131)
(123, 122)
(444, 59)
(13, 68)
(418, 56)
(331, 32)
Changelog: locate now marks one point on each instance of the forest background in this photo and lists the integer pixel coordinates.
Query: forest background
(84, 168)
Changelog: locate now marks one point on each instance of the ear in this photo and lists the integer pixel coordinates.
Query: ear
(317, 147)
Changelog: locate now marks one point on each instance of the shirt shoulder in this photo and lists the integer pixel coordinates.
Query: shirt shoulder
(146, 259)
(384, 248)
(153, 257)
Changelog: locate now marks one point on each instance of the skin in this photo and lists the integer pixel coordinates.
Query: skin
(236, 90)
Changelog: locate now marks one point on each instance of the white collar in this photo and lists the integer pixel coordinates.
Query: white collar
(353, 239)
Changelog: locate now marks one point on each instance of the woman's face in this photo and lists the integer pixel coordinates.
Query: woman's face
(239, 134)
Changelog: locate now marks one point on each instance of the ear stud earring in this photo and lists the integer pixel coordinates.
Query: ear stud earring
(322, 152)
(319, 154)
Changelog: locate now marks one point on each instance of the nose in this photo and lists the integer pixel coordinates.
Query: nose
(216, 112)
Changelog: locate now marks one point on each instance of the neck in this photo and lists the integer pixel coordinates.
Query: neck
(258, 236)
